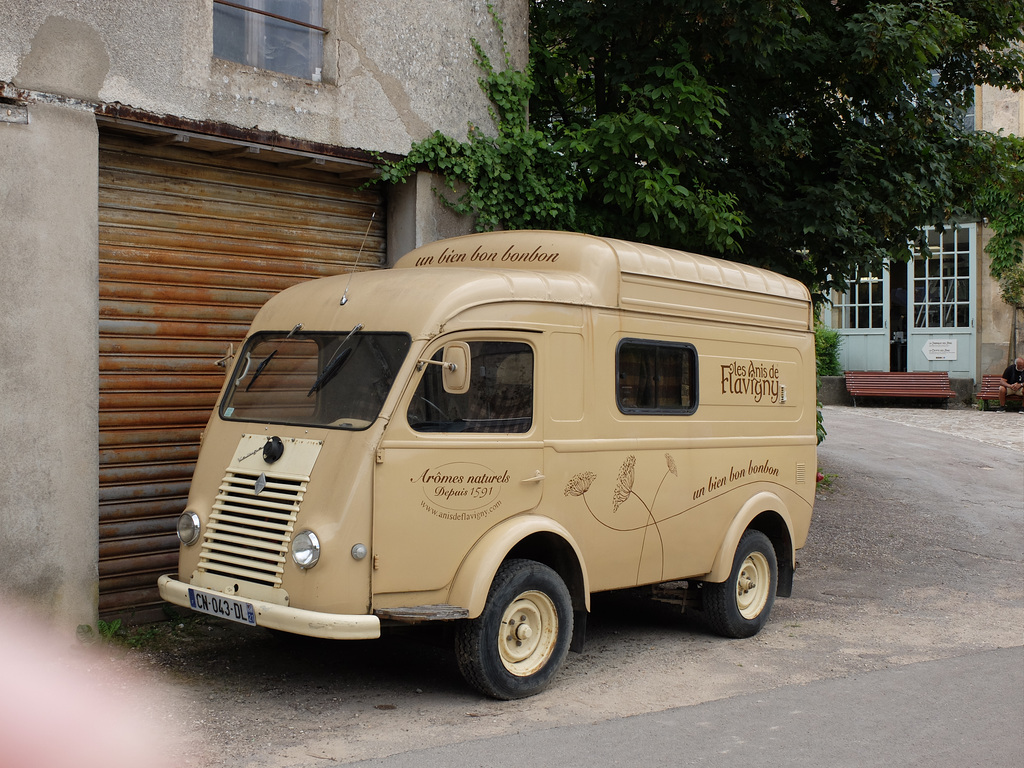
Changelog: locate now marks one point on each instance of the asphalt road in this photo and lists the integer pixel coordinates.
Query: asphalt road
(962, 712)
(902, 645)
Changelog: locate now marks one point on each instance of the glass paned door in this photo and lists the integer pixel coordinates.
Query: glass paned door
(860, 317)
(942, 336)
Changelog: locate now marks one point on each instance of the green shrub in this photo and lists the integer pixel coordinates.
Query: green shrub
(826, 350)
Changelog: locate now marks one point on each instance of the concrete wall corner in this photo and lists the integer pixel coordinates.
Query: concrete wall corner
(49, 377)
(417, 216)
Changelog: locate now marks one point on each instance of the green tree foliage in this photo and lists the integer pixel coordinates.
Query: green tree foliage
(818, 136)
(812, 137)
(1012, 283)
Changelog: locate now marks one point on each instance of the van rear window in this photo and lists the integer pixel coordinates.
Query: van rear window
(656, 377)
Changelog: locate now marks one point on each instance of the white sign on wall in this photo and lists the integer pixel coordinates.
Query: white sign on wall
(940, 349)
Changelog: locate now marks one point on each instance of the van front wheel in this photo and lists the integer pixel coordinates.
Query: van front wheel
(739, 606)
(514, 648)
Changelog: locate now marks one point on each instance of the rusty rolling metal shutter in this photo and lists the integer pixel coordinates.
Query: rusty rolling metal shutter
(195, 235)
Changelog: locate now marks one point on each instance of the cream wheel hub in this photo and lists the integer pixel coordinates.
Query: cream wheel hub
(524, 632)
(528, 633)
(752, 585)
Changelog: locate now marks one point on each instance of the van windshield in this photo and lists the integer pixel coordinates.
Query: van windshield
(314, 379)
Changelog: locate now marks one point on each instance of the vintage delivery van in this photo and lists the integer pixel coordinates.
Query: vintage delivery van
(494, 430)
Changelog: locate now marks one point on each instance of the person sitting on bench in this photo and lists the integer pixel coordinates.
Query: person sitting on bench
(1012, 382)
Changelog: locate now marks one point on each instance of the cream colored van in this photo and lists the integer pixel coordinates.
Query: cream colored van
(496, 429)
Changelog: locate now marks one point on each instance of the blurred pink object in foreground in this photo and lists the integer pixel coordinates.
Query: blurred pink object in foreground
(64, 705)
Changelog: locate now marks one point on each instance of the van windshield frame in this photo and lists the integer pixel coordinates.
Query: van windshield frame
(338, 380)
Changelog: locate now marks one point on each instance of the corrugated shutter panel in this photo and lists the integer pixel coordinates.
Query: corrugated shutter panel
(194, 237)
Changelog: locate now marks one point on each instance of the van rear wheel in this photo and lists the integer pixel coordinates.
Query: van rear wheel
(520, 640)
(739, 606)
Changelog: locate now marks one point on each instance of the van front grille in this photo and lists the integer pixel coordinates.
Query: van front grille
(251, 526)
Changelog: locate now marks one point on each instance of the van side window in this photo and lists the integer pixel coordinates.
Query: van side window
(656, 377)
(500, 396)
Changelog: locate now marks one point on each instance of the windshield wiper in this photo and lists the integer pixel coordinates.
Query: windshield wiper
(263, 363)
(334, 364)
(328, 373)
(259, 370)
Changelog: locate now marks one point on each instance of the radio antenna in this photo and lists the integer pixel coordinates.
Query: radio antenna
(344, 296)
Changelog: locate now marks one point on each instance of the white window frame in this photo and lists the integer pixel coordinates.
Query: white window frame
(862, 306)
(942, 280)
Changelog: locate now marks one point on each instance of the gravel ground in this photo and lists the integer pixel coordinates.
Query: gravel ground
(1003, 429)
(914, 554)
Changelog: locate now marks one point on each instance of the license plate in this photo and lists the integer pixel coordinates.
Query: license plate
(224, 607)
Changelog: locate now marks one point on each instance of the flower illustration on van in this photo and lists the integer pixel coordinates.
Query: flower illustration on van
(580, 483)
(624, 487)
(671, 465)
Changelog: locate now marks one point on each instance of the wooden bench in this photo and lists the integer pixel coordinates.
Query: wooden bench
(932, 385)
(989, 391)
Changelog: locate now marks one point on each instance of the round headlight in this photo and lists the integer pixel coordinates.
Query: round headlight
(188, 528)
(305, 549)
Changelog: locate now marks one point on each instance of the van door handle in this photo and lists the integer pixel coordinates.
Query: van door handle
(537, 477)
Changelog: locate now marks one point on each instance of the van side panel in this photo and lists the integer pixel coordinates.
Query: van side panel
(653, 497)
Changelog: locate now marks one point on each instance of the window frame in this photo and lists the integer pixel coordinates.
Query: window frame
(941, 281)
(862, 306)
(694, 378)
(430, 369)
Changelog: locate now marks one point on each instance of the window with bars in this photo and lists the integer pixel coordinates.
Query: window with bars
(942, 280)
(283, 36)
(861, 307)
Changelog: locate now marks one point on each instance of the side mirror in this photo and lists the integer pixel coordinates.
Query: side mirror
(228, 360)
(455, 368)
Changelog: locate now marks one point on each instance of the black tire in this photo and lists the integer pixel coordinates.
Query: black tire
(739, 606)
(514, 648)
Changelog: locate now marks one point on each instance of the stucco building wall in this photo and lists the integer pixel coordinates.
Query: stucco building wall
(996, 111)
(393, 71)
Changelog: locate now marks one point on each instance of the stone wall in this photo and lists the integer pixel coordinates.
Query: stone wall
(998, 343)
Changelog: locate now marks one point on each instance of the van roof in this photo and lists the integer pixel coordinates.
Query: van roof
(436, 282)
(603, 261)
